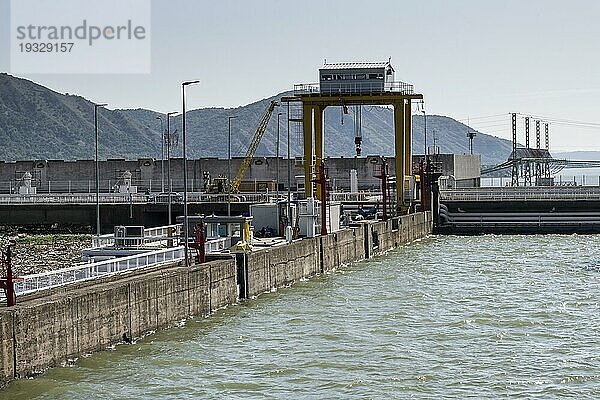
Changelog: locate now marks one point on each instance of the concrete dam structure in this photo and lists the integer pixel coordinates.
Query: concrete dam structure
(53, 326)
(62, 176)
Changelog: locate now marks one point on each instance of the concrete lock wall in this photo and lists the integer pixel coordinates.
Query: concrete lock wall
(281, 266)
(46, 329)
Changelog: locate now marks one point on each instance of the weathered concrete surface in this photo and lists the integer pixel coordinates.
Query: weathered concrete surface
(259, 273)
(46, 329)
(6, 347)
(223, 286)
(294, 261)
(282, 265)
(342, 247)
(198, 289)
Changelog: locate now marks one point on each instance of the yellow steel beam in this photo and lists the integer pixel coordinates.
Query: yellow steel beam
(318, 142)
(399, 135)
(383, 98)
(308, 146)
(408, 138)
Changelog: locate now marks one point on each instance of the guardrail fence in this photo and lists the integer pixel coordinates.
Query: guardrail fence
(522, 193)
(46, 280)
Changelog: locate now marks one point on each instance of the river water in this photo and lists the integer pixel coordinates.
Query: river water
(445, 317)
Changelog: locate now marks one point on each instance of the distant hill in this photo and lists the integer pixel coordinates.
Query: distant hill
(578, 156)
(38, 123)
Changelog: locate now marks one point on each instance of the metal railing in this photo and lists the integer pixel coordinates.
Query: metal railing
(216, 245)
(521, 193)
(46, 280)
(133, 198)
(73, 198)
(151, 235)
(330, 87)
(559, 180)
(306, 88)
(523, 219)
(361, 196)
(106, 186)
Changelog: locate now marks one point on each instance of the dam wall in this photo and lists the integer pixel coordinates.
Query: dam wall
(56, 325)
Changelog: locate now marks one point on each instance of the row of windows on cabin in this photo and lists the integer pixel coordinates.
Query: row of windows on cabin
(336, 77)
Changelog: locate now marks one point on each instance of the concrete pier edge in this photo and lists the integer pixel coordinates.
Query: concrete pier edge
(47, 329)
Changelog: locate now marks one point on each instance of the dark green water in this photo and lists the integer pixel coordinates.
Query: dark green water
(446, 317)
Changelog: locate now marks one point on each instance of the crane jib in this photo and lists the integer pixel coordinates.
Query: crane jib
(260, 131)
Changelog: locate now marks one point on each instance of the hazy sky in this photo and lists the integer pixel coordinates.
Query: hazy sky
(469, 58)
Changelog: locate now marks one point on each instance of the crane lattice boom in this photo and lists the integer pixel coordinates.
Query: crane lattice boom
(260, 131)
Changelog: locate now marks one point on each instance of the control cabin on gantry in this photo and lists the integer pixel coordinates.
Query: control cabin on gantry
(356, 77)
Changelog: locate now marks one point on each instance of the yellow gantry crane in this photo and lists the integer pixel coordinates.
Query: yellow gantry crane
(260, 131)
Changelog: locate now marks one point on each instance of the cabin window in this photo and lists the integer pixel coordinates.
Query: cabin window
(372, 76)
(348, 77)
(389, 71)
(326, 77)
(337, 77)
(361, 76)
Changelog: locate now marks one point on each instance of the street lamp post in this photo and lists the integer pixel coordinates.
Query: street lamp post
(168, 139)
(185, 202)
(162, 155)
(229, 164)
(96, 106)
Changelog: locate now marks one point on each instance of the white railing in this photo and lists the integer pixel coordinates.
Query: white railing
(521, 193)
(83, 272)
(106, 186)
(160, 231)
(216, 245)
(134, 198)
(151, 235)
(561, 179)
(357, 86)
(361, 196)
(73, 198)
(103, 241)
(235, 197)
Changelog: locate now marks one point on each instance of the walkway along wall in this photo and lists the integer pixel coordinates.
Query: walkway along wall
(46, 330)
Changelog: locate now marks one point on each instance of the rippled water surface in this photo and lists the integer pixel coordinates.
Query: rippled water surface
(446, 317)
